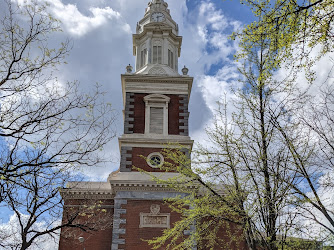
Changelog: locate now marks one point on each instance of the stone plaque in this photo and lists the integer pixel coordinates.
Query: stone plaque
(155, 218)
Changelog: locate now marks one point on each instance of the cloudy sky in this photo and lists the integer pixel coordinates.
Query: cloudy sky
(101, 34)
(101, 31)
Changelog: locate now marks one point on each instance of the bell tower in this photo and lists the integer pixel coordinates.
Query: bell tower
(155, 99)
(155, 95)
(130, 206)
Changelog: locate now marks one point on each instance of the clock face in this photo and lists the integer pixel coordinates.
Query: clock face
(158, 17)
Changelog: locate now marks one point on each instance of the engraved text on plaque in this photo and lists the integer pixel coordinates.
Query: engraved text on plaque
(155, 218)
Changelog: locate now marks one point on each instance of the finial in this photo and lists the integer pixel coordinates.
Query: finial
(185, 70)
(129, 69)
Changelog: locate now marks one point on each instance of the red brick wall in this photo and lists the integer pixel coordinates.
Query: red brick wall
(173, 115)
(140, 162)
(102, 239)
(228, 235)
(139, 114)
(100, 221)
(134, 234)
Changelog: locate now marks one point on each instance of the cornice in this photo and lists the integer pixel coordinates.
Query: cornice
(87, 190)
(143, 187)
(86, 194)
(138, 181)
(156, 79)
(157, 27)
(142, 140)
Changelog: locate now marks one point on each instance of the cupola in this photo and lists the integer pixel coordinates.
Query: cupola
(156, 43)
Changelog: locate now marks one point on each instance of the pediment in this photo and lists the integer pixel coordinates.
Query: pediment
(157, 71)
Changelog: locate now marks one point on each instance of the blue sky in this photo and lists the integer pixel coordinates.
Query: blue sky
(101, 34)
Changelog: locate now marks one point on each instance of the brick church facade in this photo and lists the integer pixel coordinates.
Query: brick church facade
(130, 206)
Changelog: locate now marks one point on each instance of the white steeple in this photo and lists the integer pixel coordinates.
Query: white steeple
(156, 43)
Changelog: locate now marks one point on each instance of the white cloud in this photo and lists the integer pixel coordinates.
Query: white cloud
(96, 24)
(10, 235)
(100, 26)
(308, 213)
(208, 49)
(219, 86)
(212, 16)
(78, 24)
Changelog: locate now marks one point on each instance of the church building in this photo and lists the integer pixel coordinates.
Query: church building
(155, 99)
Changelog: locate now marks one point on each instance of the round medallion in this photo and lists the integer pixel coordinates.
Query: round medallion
(155, 160)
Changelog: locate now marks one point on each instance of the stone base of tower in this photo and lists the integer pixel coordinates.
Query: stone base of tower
(121, 213)
(140, 212)
(131, 210)
(137, 221)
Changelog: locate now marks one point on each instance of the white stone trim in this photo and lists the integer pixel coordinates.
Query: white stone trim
(85, 195)
(154, 145)
(153, 195)
(159, 88)
(141, 183)
(154, 141)
(156, 84)
(154, 137)
(87, 190)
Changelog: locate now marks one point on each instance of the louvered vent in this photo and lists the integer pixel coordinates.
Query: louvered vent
(156, 123)
(157, 54)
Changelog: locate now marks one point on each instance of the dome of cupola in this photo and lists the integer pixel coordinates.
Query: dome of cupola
(157, 5)
(158, 1)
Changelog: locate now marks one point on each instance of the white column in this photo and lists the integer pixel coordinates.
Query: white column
(165, 49)
(137, 59)
(149, 47)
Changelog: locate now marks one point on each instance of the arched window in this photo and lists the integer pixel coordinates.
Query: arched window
(156, 114)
